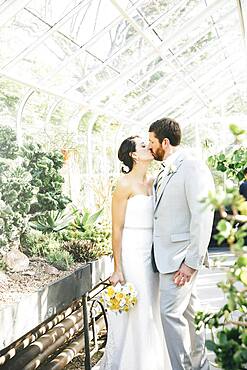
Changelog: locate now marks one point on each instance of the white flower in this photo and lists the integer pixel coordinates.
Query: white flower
(122, 302)
(125, 168)
(118, 288)
(172, 168)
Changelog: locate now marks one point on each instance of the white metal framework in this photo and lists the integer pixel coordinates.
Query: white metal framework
(133, 61)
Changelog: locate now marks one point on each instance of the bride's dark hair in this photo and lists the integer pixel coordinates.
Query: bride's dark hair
(127, 147)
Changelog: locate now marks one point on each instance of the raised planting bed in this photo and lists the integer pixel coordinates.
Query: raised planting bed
(30, 309)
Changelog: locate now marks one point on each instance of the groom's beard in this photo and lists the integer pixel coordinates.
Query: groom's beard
(159, 154)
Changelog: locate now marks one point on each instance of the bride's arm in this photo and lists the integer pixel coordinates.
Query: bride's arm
(119, 203)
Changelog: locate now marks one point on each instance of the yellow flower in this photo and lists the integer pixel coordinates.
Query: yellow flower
(110, 291)
(119, 296)
(134, 301)
(114, 301)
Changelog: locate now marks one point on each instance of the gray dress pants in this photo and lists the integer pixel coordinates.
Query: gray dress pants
(178, 305)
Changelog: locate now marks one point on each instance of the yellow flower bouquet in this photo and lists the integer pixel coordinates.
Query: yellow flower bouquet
(119, 298)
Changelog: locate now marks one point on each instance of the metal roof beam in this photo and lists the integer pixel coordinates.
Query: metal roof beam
(74, 99)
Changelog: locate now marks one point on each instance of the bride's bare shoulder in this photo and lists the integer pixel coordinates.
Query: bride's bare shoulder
(122, 187)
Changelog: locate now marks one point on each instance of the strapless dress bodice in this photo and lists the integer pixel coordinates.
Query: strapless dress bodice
(139, 212)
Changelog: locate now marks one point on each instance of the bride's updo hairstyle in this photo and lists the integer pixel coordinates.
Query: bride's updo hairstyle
(125, 150)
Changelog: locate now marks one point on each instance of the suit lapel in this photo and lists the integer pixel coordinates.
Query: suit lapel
(166, 180)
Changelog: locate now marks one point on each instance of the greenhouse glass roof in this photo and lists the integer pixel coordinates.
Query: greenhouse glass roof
(134, 61)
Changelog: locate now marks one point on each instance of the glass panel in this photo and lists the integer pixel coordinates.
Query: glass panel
(151, 10)
(169, 87)
(138, 104)
(132, 88)
(188, 12)
(75, 71)
(150, 65)
(145, 113)
(133, 54)
(42, 61)
(91, 20)
(236, 104)
(110, 42)
(36, 109)
(98, 81)
(199, 35)
(199, 43)
(188, 108)
(52, 11)
(213, 88)
(11, 94)
(2, 2)
(138, 97)
(18, 34)
(213, 74)
(101, 79)
(210, 56)
(205, 37)
(42, 116)
(178, 17)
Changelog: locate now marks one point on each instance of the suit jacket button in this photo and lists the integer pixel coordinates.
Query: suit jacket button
(155, 217)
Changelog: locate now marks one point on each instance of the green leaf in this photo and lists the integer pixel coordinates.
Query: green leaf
(211, 346)
(93, 218)
(236, 130)
(222, 338)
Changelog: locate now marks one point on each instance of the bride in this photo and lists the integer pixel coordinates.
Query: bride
(135, 339)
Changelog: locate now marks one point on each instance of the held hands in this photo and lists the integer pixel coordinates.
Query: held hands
(183, 275)
(117, 277)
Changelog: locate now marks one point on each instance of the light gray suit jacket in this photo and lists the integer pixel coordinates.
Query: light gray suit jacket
(182, 224)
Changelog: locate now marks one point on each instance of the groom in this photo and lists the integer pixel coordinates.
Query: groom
(182, 229)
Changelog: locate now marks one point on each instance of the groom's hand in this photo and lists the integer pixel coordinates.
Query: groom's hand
(117, 277)
(183, 275)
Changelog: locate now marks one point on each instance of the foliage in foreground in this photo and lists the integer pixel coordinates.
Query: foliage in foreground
(230, 323)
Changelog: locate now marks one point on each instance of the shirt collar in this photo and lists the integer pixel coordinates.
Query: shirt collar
(172, 158)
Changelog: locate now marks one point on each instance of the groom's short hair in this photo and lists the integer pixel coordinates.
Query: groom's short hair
(167, 128)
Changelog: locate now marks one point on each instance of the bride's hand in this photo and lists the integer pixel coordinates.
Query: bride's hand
(117, 277)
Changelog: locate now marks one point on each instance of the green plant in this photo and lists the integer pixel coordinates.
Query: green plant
(82, 250)
(38, 244)
(48, 247)
(68, 235)
(91, 244)
(53, 221)
(232, 163)
(100, 235)
(238, 132)
(60, 259)
(2, 265)
(30, 186)
(16, 197)
(84, 220)
(8, 143)
(230, 322)
(44, 168)
(232, 227)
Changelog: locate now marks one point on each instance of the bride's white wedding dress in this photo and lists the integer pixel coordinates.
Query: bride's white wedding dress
(135, 338)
